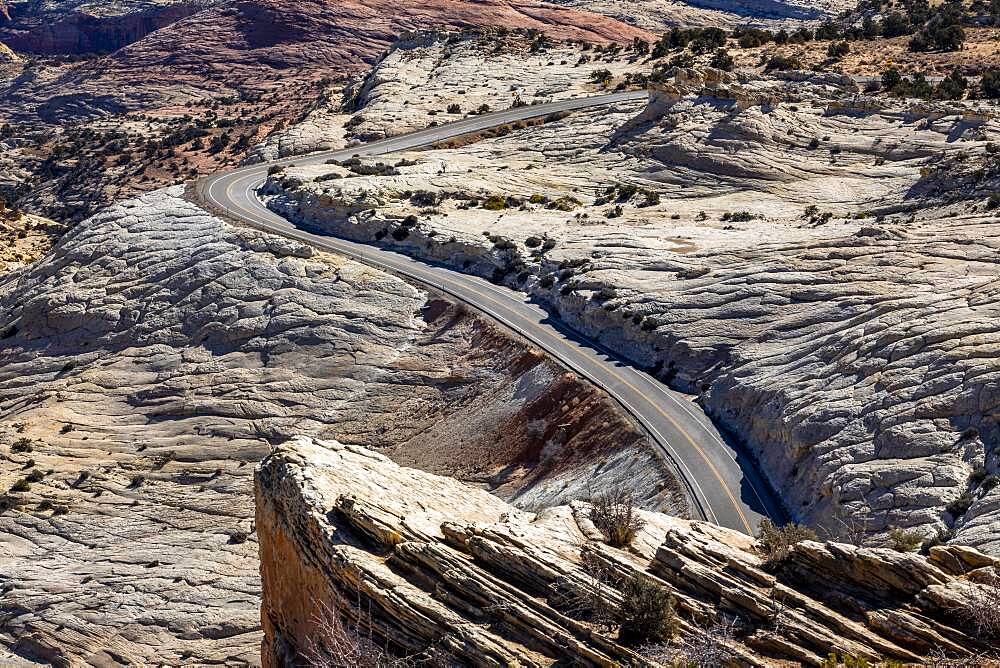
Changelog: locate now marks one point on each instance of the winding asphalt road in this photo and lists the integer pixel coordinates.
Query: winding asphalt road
(724, 486)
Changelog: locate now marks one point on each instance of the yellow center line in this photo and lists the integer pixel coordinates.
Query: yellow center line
(546, 333)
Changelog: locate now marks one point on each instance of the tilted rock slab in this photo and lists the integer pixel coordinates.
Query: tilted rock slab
(423, 561)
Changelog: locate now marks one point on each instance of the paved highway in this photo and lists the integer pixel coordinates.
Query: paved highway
(725, 488)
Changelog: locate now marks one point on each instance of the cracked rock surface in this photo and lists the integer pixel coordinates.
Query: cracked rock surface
(155, 354)
(424, 561)
(818, 265)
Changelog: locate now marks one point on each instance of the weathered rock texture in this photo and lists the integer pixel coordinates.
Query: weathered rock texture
(155, 352)
(658, 15)
(259, 45)
(179, 75)
(423, 561)
(817, 265)
(423, 76)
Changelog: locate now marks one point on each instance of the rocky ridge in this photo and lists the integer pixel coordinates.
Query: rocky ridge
(434, 78)
(760, 242)
(656, 15)
(155, 354)
(419, 561)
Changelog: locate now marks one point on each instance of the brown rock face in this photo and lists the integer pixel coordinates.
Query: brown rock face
(426, 562)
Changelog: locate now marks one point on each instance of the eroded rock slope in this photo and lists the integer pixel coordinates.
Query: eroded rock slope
(819, 265)
(420, 561)
(153, 357)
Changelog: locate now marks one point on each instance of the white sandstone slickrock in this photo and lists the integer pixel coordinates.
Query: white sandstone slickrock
(423, 561)
(155, 354)
(789, 253)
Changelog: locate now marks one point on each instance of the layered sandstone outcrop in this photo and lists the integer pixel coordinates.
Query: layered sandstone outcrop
(152, 358)
(423, 562)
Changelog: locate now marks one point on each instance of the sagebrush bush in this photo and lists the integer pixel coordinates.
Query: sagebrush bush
(774, 542)
(615, 515)
(902, 540)
(646, 613)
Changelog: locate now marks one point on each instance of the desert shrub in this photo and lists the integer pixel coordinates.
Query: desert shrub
(495, 203)
(21, 485)
(615, 515)
(740, 217)
(646, 613)
(838, 50)
(336, 643)
(238, 537)
(896, 24)
(828, 30)
(35, 476)
(749, 38)
(943, 32)
(902, 540)
(60, 510)
(21, 445)
(780, 63)
(709, 646)
(953, 86)
(891, 78)
(961, 505)
(454, 108)
(136, 481)
(684, 59)
(721, 60)
(708, 39)
(547, 281)
(533, 242)
(400, 233)
(774, 542)
(989, 85)
(424, 198)
(44, 506)
(274, 169)
(601, 76)
(564, 203)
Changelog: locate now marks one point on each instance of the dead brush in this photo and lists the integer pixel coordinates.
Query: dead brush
(615, 515)
(337, 643)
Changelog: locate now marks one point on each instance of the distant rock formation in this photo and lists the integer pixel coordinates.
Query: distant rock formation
(421, 561)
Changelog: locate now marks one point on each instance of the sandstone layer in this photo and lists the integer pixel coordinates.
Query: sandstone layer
(156, 354)
(819, 265)
(658, 15)
(423, 562)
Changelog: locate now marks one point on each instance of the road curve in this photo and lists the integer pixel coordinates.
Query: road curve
(723, 484)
